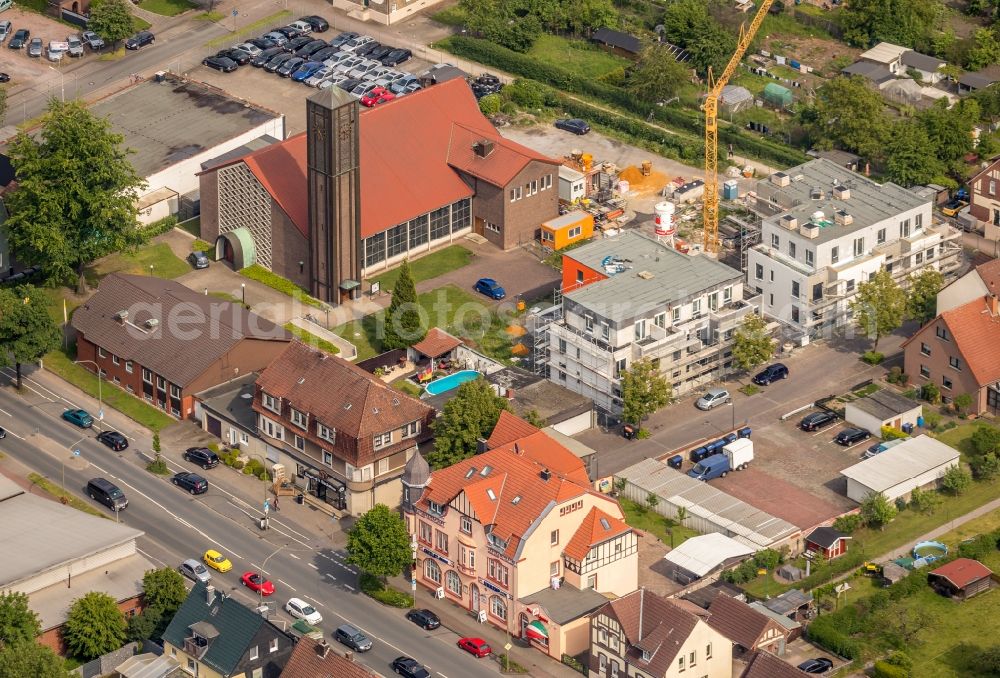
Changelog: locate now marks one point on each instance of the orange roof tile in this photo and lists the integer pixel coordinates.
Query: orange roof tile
(544, 450)
(509, 427)
(281, 169)
(596, 528)
(500, 167)
(437, 343)
(977, 334)
(990, 273)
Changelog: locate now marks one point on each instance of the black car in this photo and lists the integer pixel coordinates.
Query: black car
(379, 53)
(323, 54)
(409, 667)
(262, 42)
(277, 61)
(850, 436)
(310, 48)
(289, 32)
(202, 456)
(425, 619)
(20, 39)
(353, 637)
(349, 84)
(286, 69)
(264, 57)
(3, 433)
(220, 63)
(817, 420)
(318, 23)
(574, 125)
(4, 77)
(140, 40)
(342, 38)
(817, 665)
(367, 49)
(192, 482)
(239, 56)
(294, 44)
(113, 439)
(396, 57)
(771, 373)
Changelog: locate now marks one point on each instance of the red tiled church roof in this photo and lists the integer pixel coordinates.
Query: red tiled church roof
(281, 169)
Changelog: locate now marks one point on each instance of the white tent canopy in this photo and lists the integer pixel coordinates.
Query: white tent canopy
(702, 554)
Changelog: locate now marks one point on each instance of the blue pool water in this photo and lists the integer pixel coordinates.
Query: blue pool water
(445, 384)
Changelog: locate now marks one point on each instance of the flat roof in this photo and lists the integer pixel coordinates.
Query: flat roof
(884, 404)
(566, 603)
(702, 554)
(176, 119)
(907, 460)
(655, 276)
(233, 400)
(239, 152)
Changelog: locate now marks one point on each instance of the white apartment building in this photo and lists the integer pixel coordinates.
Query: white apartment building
(826, 229)
(631, 297)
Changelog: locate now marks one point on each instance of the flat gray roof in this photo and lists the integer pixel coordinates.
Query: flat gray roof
(566, 603)
(170, 121)
(907, 460)
(869, 201)
(885, 404)
(655, 275)
(233, 401)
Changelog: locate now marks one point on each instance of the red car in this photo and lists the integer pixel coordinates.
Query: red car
(257, 583)
(379, 95)
(475, 646)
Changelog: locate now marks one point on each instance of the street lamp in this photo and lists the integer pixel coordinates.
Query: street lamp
(151, 270)
(243, 291)
(100, 395)
(260, 572)
(264, 524)
(62, 89)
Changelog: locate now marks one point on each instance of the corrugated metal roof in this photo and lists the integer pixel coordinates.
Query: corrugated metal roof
(702, 554)
(885, 404)
(907, 460)
(884, 53)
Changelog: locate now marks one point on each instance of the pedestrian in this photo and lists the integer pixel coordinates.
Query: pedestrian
(276, 503)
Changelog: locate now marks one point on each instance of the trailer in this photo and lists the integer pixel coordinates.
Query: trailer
(736, 456)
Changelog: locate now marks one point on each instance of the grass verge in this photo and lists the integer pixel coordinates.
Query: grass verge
(64, 496)
(112, 56)
(227, 296)
(667, 531)
(198, 245)
(167, 7)
(450, 16)
(210, 16)
(431, 266)
(576, 56)
(276, 19)
(139, 24)
(165, 264)
(192, 226)
(311, 339)
(283, 285)
(387, 595)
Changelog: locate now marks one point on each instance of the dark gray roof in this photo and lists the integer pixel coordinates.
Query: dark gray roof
(417, 471)
(622, 41)
(866, 69)
(885, 404)
(976, 80)
(170, 121)
(704, 596)
(789, 601)
(922, 61)
(239, 152)
(825, 536)
(191, 331)
(233, 401)
(440, 73)
(566, 603)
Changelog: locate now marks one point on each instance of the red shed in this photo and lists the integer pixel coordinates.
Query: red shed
(828, 541)
(961, 579)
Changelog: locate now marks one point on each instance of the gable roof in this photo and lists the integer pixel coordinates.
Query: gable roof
(312, 659)
(976, 80)
(990, 274)
(281, 169)
(654, 624)
(549, 453)
(909, 459)
(869, 70)
(597, 527)
(922, 61)
(364, 405)
(976, 332)
(962, 571)
(738, 621)
(234, 624)
(500, 166)
(884, 53)
(826, 537)
(167, 348)
(509, 427)
(436, 343)
(766, 665)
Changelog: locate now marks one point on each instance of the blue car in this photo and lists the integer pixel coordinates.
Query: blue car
(306, 70)
(490, 288)
(79, 417)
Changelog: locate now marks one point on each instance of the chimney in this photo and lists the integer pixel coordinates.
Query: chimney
(322, 649)
(121, 316)
(209, 594)
(482, 148)
(992, 304)
(481, 446)
(545, 474)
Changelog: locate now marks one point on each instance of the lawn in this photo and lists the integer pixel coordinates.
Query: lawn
(167, 7)
(192, 226)
(408, 387)
(283, 285)
(311, 339)
(431, 266)
(139, 24)
(158, 255)
(58, 492)
(959, 437)
(450, 16)
(642, 518)
(576, 56)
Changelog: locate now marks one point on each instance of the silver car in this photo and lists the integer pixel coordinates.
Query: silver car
(363, 89)
(366, 66)
(75, 45)
(5, 29)
(332, 80)
(252, 50)
(713, 398)
(319, 76)
(354, 43)
(348, 64)
(338, 58)
(193, 569)
(35, 47)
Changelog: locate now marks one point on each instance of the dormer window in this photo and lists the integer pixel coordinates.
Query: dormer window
(434, 508)
(300, 419)
(327, 434)
(270, 402)
(646, 656)
(496, 541)
(383, 440)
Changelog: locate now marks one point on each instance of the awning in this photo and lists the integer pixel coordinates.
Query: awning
(348, 285)
(536, 631)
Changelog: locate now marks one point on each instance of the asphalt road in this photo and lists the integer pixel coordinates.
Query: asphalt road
(179, 526)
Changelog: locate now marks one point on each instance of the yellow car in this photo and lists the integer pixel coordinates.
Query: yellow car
(217, 561)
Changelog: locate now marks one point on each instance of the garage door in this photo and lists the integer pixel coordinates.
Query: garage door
(214, 425)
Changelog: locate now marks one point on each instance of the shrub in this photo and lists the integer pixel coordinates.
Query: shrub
(847, 524)
(158, 466)
(986, 467)
(571, 662)
(830, 632)
(931, 393)
(962, 403)
(373, 587)
(490, 104)
(873, 357)
(254, 467)
(643, 434)
(956, 480)
(979, 547)
(904, 379)
(986, 439)
(527, 94)
(883, 669)
(750, 389)
(890, 433)
(894, 373)
(508, 665)
(768, 559)
(932, 420)
(237, 464)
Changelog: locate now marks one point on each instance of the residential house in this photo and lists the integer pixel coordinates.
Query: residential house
(961, 579)
(981, 281)
(226, 411)
(347, 433)
(164, 342)
(518, 536)
(825, 230)
(927, 67)
(631, 298)
(214, 635)
(649, 636)
(748, 629)
(957, 352)
(312, 659)
(887, 55)
(984, 189)
(766, 665)
(828, 542)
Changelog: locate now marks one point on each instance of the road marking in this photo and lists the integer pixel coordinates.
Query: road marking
(5, 412)
(14, 434)
(331, 576)
(349, 587)
(313, 566)
(285, 583)
(256, 567)
(442, 675)
(152, 557)
(292, 555)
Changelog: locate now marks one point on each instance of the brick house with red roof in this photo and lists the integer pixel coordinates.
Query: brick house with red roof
(518, 536)
(984, 189)
(363, 188)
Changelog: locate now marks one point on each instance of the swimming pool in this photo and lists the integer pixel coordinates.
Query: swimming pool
(452, 381)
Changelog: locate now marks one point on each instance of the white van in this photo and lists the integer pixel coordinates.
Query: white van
(57, 50)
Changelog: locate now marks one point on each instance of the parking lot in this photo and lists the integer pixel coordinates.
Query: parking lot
(35, 73)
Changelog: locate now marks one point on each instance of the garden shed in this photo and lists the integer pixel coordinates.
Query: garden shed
(735, 99)
(883, 408)
(779, 96)
(961, 579)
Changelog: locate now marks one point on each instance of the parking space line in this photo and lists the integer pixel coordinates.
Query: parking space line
(285, 583)
(313, 566)
(331, 576)
(348, 587)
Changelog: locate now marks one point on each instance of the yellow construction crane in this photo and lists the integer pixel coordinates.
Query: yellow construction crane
(711, 108)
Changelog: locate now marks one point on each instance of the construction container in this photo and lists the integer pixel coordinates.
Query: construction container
(572, 184)
(690, 192)
(731, 190)
(569, 228)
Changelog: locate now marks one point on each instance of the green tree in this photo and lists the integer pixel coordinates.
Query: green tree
(850, 115)
(962, 403)
(924, 501)
(657, 76)
(470, 415)
(689, 24)
(94, 626)
(986, 439)
(17, 620)
(907, 161)
(111, 19)
(921, 301)
(652, 500)
(950, 129)
(752, 343)
(164, 589)
(985, 50)
(76, 194)
(27, 331)
(490, 105)
(379, 543)
(877, 511)
(879, 306)
(146, 625)
(644, 391)
(585, 15)
(987, 660)
(535, 419)
(403, 323)
(956, 480)
(986, 467)
(28, 658)
(526, 94)
(902, 22)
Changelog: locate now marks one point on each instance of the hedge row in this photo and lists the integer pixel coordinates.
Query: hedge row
(827, 632)
(525, 66)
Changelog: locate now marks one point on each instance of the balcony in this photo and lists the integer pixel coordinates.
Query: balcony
(785, 260)
(658, 341)
(732, 314)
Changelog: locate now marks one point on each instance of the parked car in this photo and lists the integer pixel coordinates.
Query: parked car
(239, 56)
(311, 48)
(348, 84)
(363, 88)
(199, 259)
(574, 125)
(279, 39)
(347, 64)
(303, 27)
(771, 373)
(75, 45)
(396, 57)
(79, 417)
(817, 665)
(264, 57)
(217, 561)
(352, 637)
(93, 40)
(379, 53)
(113, 439)
(3, 433)
(263, 42)
(306, 70)
(485, 84)
(20, 39)
(953, 207)
(475, 646)
(251, 49)
(257, 583)
(5, 29)
(817, 420)
(366, 66)
(106, 492)
(192, 482)
(324, 53)
(850, 436)
(319, 76)
(192, 569)
(490, 288)
(289, 32)
(318, 23)
(278, 61)
(378, 95)
(368, 48)
(35, 47)
(409, 668)
(219, 63)
(300, 609)
(202, 456)
(332, 80)
(425, 619)
(880, 447)
(140, 40)
(338, 57)
(286, 69)
(295, 44)
(398, 86)
(344, 37)
(713, 398)
(56, 50)
(4, 77)
(353, 44)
